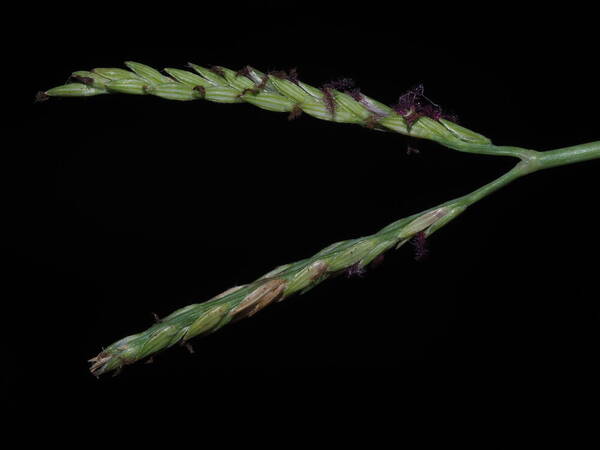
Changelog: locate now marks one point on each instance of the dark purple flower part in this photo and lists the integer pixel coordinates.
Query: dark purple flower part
(410, 100)
(343, 84)
(371, 122)
(41, 97)
(413, 104)
(419, 242)
(244, 71)
(263, 82)
(84, 80)
(217, 70)
(295, 113)
(377, 261)
(279, 74)
(329, 100)
(355, 94)
(410, 150)
(293, 75)
(200, 89)
(355, 270)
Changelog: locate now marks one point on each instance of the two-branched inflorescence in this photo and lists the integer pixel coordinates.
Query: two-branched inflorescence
(340, 101)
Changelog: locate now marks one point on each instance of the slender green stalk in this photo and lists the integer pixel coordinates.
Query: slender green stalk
(521, 169)
(569, 155)
(282, 92)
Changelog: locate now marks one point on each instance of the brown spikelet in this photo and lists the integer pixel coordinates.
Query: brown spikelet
(99, 361)
(262, 296)
(318, 269)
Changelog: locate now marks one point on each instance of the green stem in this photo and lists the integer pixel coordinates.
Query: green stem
(522, 168)
(569, 155)
(489, 149)
(532, 161)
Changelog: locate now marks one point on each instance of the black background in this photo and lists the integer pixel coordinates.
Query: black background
(119, 207)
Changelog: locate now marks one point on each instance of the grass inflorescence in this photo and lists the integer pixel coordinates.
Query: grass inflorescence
(341, 101)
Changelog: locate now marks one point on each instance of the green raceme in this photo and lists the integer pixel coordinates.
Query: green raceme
(272, 92)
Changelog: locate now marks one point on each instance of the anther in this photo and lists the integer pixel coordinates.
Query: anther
(85, 80)
(201, 90)
(295, 113)
(218, 70)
